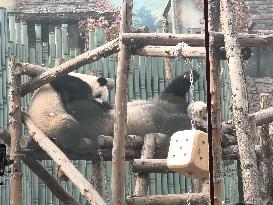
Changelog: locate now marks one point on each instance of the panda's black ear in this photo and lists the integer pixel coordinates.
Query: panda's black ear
(102, 81)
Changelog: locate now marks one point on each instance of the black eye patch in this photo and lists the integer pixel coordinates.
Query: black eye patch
(102, 81)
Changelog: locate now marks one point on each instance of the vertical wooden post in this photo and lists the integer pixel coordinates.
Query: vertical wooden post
(15, 129)
(142, 180)
(214, 59)
(168, 61)
(120, 126)
(240, 106)
(98, 175)
(173, 13)
(266, 145)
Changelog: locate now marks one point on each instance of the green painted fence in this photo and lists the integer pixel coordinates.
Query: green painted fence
(146, 81)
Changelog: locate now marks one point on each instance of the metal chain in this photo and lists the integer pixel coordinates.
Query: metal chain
(189, 198)
(130, 173)
(192, 95)
(104, 176)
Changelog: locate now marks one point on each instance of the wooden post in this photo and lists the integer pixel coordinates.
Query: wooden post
(142, 180)
(266, 159)
(240, 107)
(168, 61)
(61, 160)
(15, 129)
(121, 98)
(98, 176)
(214, 59)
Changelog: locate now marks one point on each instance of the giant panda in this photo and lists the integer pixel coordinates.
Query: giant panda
(67, 109)
(60, 107)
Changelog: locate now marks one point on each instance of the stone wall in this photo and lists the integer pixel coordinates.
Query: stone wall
(256, 86)
(261, 13)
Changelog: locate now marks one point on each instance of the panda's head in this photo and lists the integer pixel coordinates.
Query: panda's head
(198, 112)
(98, 85)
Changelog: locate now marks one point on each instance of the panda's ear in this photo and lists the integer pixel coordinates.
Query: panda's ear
(102, 81)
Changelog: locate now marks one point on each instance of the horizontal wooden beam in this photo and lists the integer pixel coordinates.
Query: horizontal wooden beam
(186, 52)
(264, 116)
(168, 39)
(160, 165)
(73, 64)
(170, 199)
(85, 188)
(163, 39)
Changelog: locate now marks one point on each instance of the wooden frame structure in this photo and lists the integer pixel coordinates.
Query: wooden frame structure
(156, 43)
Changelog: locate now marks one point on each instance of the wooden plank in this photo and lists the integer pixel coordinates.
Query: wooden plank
(15, 130)
(168, 39)
(240, 107)
(142, 180)
(121, 98)
(63, 162)
(170, 199)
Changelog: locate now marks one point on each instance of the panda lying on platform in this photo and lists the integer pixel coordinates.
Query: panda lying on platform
(75, 106)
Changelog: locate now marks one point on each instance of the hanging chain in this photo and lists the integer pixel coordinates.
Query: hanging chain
(104, 175)
(192, 95)
(189, 198)
(130, 173)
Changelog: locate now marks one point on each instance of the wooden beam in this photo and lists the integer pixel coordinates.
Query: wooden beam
(168, 39)
(215, 91)
(61, 160)
(240, 107)
(33, 70)
(187, 52)
(73, 64)
(266, 152)
(160, 165)
(121, 99)
(42, 173)
(50, 181)
(170, 199)
(147, 152)
(15, 130)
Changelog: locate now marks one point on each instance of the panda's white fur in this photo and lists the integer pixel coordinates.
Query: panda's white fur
(92, 82)
(198, 112)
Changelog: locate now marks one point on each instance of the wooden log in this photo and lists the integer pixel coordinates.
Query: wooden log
(33, 70)
(50, 181)
(160, 165)
(240, 107)
(77, 62)
(147, 152)
(168, 39)
(187, 52)
(121, 99)
(15, 130)
(134, 141)
(61, 160)
(215, 90)
(169, 51)
(98, 176)
(266, 152)
(42, 173)
(170, 199)
(159, 39)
